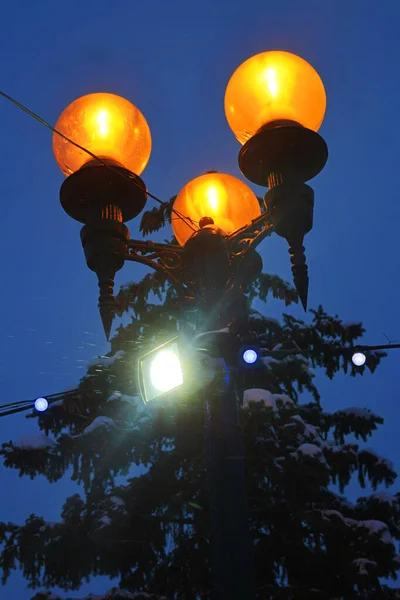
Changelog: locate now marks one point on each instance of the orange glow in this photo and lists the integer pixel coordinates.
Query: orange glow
(227, 200)
(108, 126)
(274, 86)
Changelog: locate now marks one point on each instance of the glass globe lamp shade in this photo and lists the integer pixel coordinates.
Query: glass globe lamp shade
(41, 404)
(229, 202)
(274, 86)
(359, 359)
(250, 356)
(109, 127)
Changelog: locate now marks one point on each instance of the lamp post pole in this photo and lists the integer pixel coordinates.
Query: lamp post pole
(231, 546)
(208, 271)
(218, 224)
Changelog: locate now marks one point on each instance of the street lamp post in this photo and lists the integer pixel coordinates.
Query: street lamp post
(274, 103)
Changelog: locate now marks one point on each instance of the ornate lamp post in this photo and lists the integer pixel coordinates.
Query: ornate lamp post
(274, 103)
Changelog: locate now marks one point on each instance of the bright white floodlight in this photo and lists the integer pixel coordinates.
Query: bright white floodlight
(165, 370)
(160, 371)
(359, 359)
(41, 404)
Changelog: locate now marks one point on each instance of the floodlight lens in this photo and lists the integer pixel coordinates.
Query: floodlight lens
(359, 359)
(166, 371)
(41, 404)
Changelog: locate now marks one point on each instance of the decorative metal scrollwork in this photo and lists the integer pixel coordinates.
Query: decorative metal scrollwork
(165, 258)
(249, 236)
(169, 259)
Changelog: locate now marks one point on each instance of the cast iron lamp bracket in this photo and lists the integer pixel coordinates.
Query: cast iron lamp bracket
(164, 258)
(169, 259)
(211, 267)
(247, 238)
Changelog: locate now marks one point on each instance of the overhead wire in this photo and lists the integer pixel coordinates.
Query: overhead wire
(15, 407)
(294, 351)
(15, 404)
(187, 220)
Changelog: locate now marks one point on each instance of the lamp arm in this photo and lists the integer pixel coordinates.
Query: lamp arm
(242, 244)
(249, 236)
(147, 246)
(165, 258)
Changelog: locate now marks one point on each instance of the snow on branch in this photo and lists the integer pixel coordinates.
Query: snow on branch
(274, 401)
(377, 528)
(132, 400)
(311, 451)
(359, 412)
(372, 526)
(34, 441)
(309, 432)
(106, 361)
(269, 360)
(104, 422)
(376, 467)
(382, 498)
(369, 455)
(358, 421)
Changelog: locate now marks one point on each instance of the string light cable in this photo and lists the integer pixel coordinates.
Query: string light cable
(354, 350)
(189, 222)
(41, 404)
(22, 405)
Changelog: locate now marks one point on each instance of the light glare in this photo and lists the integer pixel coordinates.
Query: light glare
(41, 404)
(272, 82)
(166, 371)
(213, 197)
(250, 356)
(359, 359)
(102, 121)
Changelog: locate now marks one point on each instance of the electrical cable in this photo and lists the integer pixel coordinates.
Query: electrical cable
(15, 407)
(187, 220)
(20, 402)
(15, 404)
(354, 349)
(15, 410)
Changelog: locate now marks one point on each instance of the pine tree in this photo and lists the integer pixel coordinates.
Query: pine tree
(152, 532)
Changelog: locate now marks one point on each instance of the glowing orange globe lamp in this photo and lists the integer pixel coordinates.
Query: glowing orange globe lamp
(274, 86)
(104, 146)
(106, 125)
(214, 198)
(275, 103)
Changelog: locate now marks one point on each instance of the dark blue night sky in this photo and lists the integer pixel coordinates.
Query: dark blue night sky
(173, 60)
